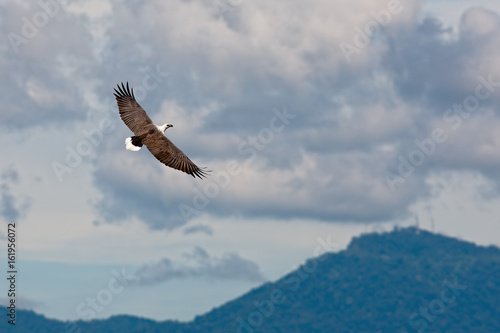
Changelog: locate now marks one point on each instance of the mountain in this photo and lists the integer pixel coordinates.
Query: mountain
(407, 280)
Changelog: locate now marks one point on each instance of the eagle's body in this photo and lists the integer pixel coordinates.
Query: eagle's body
(150, 135)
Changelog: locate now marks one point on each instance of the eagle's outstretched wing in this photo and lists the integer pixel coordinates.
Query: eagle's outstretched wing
(167, 153)
(132, 114)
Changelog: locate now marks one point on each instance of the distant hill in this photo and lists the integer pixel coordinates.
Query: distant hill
(407, 280)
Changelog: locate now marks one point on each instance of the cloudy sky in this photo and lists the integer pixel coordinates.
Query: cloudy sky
(320, 120)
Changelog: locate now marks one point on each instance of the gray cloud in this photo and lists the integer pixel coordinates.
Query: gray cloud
(10, 208)
(352, 122)
(205, 229)
(434, 66)
(199, 264)
(437, 70)
(127, 195)
(10, 175)
(44, 64)
(226, 76)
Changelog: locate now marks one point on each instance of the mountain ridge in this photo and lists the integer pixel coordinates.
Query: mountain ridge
(403, 281)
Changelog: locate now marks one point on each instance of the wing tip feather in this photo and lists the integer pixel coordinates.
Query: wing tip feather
(201, 173)
(124, 91)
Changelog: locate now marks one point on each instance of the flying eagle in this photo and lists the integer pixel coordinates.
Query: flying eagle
(151, 135)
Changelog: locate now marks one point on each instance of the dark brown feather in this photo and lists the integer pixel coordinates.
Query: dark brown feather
(132, 114)
(167, 153)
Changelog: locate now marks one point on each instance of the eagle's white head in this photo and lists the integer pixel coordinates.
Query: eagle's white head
(164, 127)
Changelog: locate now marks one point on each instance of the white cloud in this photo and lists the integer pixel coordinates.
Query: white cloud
(479, 21)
